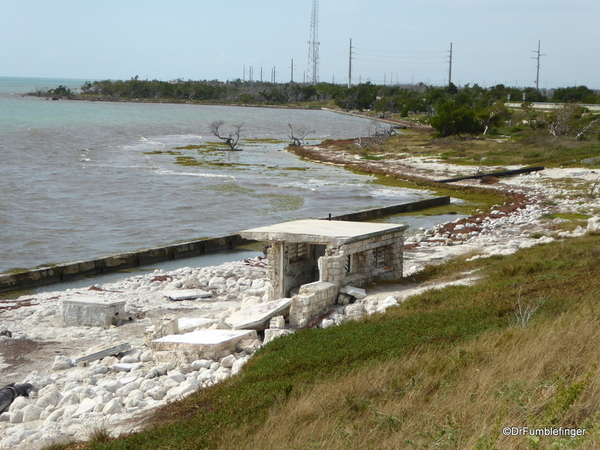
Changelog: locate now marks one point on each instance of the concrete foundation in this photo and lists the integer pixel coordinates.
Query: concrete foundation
(93, 312)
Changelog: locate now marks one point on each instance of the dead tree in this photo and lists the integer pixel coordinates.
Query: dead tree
(230, 139)
(297, 136)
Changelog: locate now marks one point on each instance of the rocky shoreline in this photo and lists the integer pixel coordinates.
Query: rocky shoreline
(116, 392)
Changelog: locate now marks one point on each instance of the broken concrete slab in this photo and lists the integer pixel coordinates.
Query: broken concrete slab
(257, 317)
(102, 351)
(186, 294)
(170, 324)
(92, 311)
(355, 292)
(207, 344)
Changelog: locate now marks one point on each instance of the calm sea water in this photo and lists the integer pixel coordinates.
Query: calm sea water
(84, 179)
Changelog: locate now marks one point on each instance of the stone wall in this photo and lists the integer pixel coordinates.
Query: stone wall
(311, 300)
(362, 261)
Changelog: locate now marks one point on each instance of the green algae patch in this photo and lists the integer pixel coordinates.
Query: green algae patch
(567, 216)
(472, 200)
(300, 169)
(188, 161)
(191, 161)
(162, 152)
(203, 146)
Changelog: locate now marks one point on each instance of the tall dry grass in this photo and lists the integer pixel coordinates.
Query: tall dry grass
(536, 374)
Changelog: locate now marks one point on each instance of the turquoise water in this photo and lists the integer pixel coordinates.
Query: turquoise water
(85, 179)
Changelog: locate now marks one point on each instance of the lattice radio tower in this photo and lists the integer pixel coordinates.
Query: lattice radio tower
(313, 45)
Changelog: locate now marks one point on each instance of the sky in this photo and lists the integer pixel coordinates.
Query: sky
(393, 41)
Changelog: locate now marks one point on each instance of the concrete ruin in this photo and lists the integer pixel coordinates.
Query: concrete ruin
(310, 260)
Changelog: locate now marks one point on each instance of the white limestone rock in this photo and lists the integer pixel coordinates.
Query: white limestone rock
(16, 416)
(19, 404)
(355, 310)
(112, 407)
(228, 361)
(61, 363)
(146, 385)
(127, 389)
(156, 393)
(86, 406)
(239, 363)
(274, 333)
(31, 413)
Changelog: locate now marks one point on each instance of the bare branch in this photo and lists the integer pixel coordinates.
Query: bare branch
(230, 139)
(297, 136)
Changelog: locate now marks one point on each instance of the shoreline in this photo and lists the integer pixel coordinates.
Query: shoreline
(122, 391)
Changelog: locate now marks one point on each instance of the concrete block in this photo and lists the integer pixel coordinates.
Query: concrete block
(93, 312)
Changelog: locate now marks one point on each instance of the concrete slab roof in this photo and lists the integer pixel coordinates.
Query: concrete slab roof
(314, 231)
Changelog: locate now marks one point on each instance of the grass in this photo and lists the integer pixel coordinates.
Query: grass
(446, 369)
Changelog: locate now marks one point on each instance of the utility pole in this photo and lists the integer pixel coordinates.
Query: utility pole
(450, 68)
(261, 74)
(539, 55)
(292, 66)
(350, 67)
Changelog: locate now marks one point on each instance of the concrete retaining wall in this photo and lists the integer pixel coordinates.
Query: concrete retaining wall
(28, 279)
(376, 213)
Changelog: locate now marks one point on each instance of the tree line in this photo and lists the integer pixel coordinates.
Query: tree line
(468, 110)
(405, 100)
